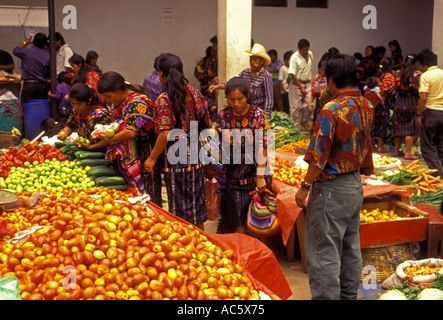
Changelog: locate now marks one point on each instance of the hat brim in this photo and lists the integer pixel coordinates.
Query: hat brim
(262, 55)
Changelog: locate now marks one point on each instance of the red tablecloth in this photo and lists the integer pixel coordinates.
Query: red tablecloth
(257, 260)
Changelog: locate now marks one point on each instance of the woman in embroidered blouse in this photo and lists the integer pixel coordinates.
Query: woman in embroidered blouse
(129, 147)
(88, 111)
(405, 107)
(177, 109)
(82, 72)
(250, 174)
(381, 111)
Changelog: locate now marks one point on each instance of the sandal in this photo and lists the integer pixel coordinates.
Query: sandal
(411, 157)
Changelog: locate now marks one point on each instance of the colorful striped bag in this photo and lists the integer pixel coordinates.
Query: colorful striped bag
(262, 220)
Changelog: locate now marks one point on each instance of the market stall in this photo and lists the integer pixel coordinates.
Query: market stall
(118, 243)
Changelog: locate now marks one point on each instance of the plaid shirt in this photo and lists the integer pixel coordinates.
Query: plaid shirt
(341, 138)
(262, 89)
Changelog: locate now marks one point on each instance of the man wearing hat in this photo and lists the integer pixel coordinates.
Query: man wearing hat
(260, 80)
(300, 72)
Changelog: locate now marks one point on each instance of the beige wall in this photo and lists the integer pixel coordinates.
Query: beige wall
(128, 35)
(437, 32)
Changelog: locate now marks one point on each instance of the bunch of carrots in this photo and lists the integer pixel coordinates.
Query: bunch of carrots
(425, 180)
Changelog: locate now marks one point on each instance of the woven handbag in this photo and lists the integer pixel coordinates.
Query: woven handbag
(262, 220)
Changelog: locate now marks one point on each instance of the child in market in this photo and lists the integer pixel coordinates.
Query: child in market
(60, 94)
(283, 80)
(372, 91)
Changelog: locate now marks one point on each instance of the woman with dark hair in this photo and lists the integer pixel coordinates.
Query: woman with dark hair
(367, 66)
(396, 55)
(129, 147)
(381, 111)
(249, 174)
(82, 72)
(88, 111)
(405, 107)
(91, 61)
(177, 109)
(319, 84)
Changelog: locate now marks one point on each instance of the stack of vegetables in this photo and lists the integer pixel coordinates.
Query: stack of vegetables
(429, 187)
(412, 291)
(18, 157)
(285, 130)
(99, 169)
(287, 172)
(116, 250)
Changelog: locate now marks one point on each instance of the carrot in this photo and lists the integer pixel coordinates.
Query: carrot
(412, 164)
(417, 179)
(428, 171)
(425, 177)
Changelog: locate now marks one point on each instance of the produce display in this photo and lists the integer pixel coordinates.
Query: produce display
(412, 291)
(100, 170)
(285, 130)
(368, 216)
(51, 175)
(417, 270)
(382, 161)
(18, 157)
(93, 246)
(287, 172)
(292, 147)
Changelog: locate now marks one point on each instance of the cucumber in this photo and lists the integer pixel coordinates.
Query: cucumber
(90, 154)
(110, 181)
(121, 187)
(96, 162)
(76, 148)
(65, 149)
(59, 144)
(102, 171)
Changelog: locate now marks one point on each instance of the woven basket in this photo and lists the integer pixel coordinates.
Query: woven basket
(8, 140)
(385, 259)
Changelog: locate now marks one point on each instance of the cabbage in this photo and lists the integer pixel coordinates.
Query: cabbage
(430, 294)
(393, 294)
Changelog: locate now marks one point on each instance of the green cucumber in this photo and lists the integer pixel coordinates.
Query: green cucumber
(109, 181)
(102, 171)
(65, 149)
(59, 144)
(90, 154)
(95, 162)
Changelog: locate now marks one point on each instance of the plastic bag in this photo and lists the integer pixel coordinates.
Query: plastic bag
(9, 289)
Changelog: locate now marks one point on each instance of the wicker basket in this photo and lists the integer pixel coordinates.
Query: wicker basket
(385, 259)
(8, 140)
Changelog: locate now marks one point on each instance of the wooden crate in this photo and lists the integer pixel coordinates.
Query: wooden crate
(8, 140)
(376, 234)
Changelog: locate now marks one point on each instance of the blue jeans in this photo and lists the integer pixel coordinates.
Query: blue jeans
(332, 239)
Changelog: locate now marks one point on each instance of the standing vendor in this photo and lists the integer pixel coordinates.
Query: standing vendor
(88, 111)
(132, 108)
(340, 150)
(34, 68)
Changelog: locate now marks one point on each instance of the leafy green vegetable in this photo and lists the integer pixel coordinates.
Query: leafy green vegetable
(401, 178)
(433, 198)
